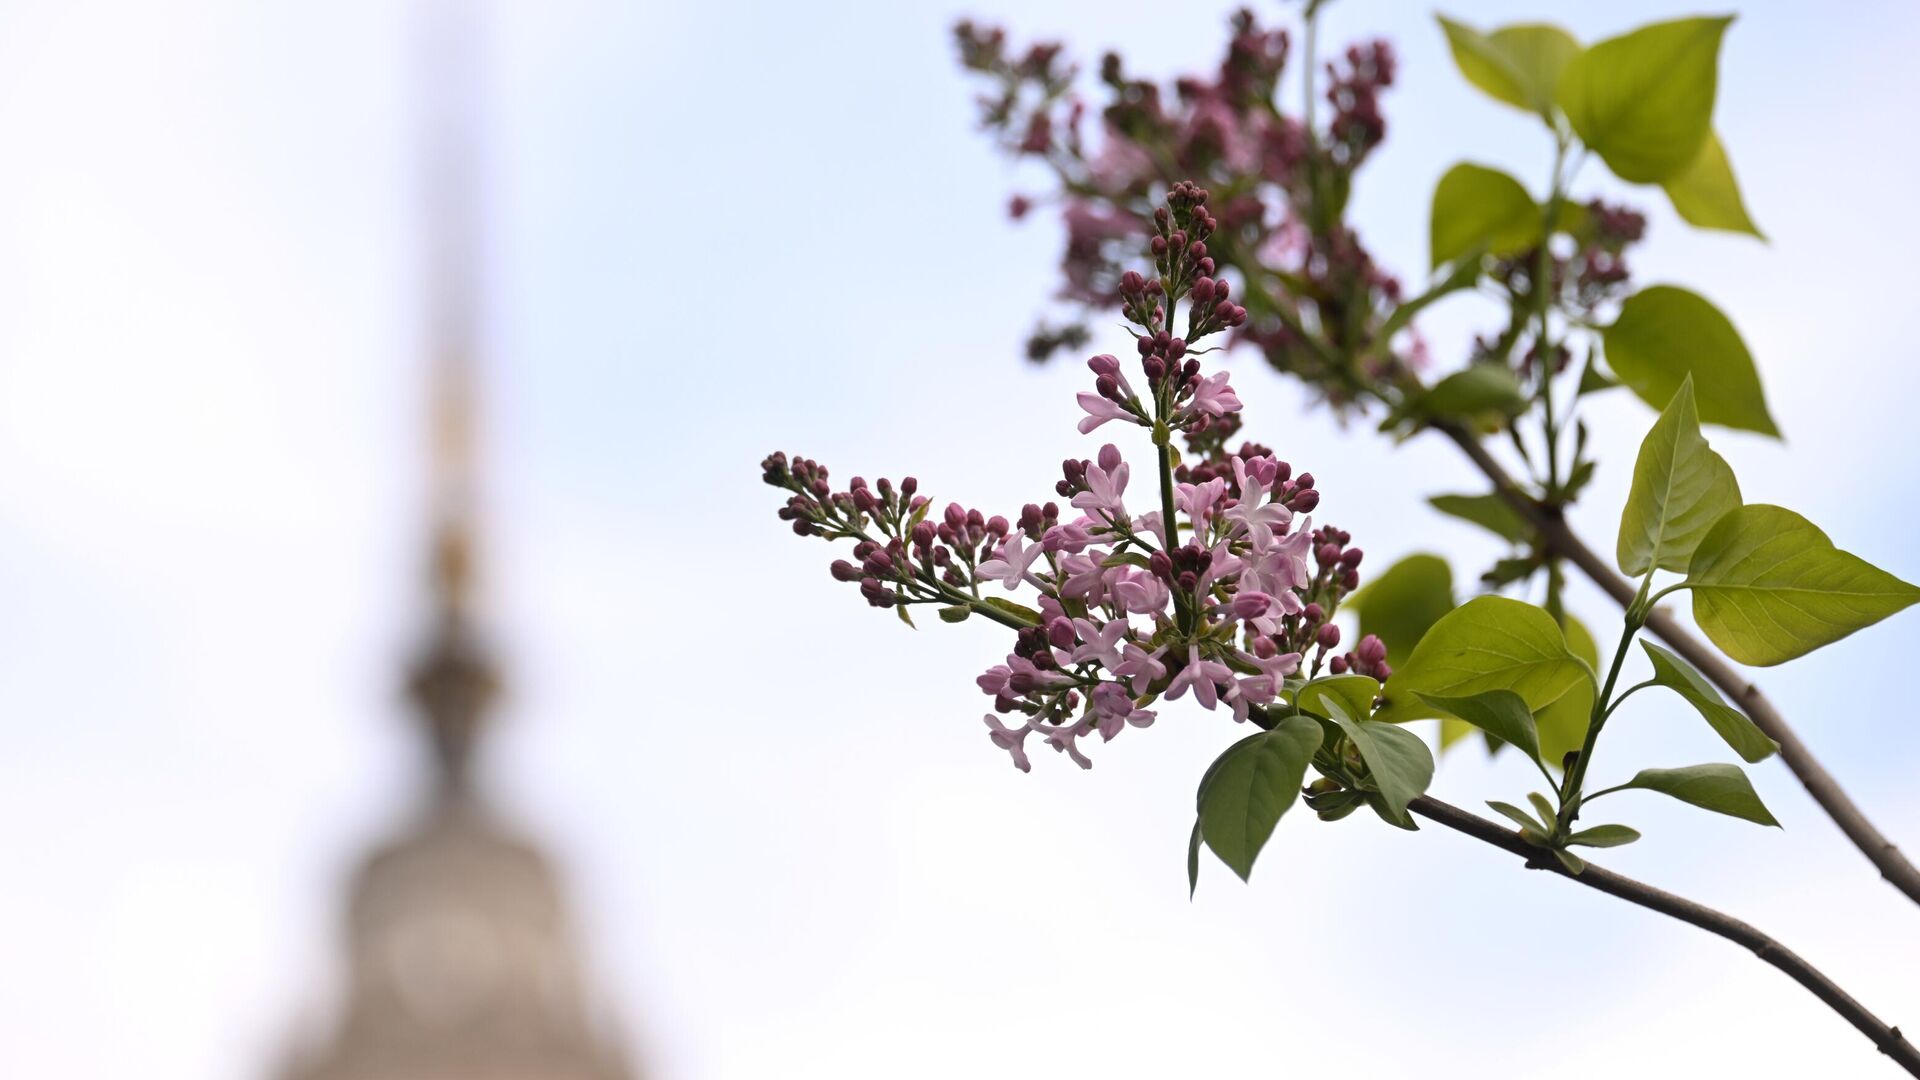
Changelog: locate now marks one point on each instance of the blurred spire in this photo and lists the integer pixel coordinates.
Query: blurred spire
(454, 680)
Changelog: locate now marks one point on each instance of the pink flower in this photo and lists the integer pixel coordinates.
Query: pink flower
(1214, 397)
(1083, 578)
(1140, 593)
(1009, 567)
(1198, 500)
(1074, 536)
(1099, 644)
(1276, 665)
(1012, 740)
(1099, 411)
(1062, 738)
(1113, 708)
(1259, 522)
(1201, 676)
(1105, 484)
(1245, 693)
(994, 681)
(1141, 666)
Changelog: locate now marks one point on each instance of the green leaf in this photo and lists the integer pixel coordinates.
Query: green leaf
(1251, 785)
(1769, 586)
(1193, 861)
(1478, 390)
(1536, 832)
(1491, 643)
(1519, 65)
(1545, 809)
(1593, 380)
(1729, 723)
(1489, 511)
(1399, 760)
(1574, 864)
(1680, 488)
(1563, 724)
(956, 614)
(1604, 836)
(1666, 333)
(1643, 101)
(1722, 788)
(1353, 693)
(901, 611)
(1706, 195)
(1481, 210)
(1501, 713)
(1403, 602)
(1018, 611)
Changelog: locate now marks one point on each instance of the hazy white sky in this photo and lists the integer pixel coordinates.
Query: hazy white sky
(721, 229)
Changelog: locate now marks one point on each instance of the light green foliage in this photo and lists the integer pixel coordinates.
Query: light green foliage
(1665, 334)
(1491, 643)
(1500, 713)
(1680, 488)
(1705, 193)
(1403, 602)
(1399, 761)
(1722, 788)
(1490, 512)
(1643, 101)
(1520, 65)
(1768, 586)
(1729, 723)
(1478, 210)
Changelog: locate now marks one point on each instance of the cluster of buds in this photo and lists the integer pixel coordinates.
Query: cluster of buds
(1354, 93)
(1226, 128)
(1367, 658)
(1589, 276)
(1219, 590)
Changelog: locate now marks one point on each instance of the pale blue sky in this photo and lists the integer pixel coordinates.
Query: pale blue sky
(721, 229)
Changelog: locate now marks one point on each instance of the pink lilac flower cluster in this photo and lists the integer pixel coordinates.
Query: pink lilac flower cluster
(1212, 585)
(1226, 129)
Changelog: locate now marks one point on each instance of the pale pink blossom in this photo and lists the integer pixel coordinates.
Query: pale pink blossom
(1201, 676)
(1141, 666)
(1012, 740)
(1099, 644)
(1062, 738)
(1009, 564)
(1100, 410)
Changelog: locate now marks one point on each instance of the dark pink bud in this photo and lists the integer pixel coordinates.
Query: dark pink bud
(1329, 635)
(1060, 633)
(845, 571)
(1337, 665)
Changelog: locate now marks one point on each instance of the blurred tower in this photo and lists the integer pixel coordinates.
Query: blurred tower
(461, 964)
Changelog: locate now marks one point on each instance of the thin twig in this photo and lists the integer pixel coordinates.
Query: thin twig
(1820, 784)
(1885, 1038)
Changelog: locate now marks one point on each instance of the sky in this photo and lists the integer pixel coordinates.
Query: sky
(722, 229)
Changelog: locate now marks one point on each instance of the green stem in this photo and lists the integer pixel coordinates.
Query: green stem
(1597, 719)
(1542, 284)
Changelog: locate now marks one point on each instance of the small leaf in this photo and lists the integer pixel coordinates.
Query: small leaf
(901, 610)
(1545, 809)
(1491, 512)
(1604, 836)
(1353, 693)
(1768, 586)
(1403, 602)
(1492, 643)
(1574, 864)
(1251, 786)
(1478, 390)
(1643, 101)
(1399, 760)
(1481, 210)
(1680, 488)
(1665, 334)
(1193, 861)
(1519, 65)
(1018, 611)
(1534, 830)
(1593, 380)
(1729, 723)
(1721, 788)
(1501, 713)
(1706, 195)
(955, 614)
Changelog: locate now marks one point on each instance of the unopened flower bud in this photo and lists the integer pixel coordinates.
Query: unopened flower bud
(1060, 633)
(1329, 635)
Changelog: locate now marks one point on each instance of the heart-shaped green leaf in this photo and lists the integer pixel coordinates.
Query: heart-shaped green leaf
(1519, 64)
(1481, 210)
(1489, 643)
(1251, 785)
(1680, 488)
(1664, 334)
(1769, 586)
(1500, 713)
(1643, 101)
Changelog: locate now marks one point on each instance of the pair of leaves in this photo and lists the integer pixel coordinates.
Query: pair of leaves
(1545, 733)
(1398, 760)
(1680, 489)
(1643, 101)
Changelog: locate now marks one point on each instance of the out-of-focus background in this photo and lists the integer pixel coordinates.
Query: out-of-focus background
(714, 230)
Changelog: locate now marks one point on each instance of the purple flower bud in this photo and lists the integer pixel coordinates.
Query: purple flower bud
(1337, 665)
(1350, 558)
(1314, 613)
(1161, 566)
(1351, 580)
(1329, 635)
(845, 571)
(997, 525)
(1383, 671)
(1327, 554)
(1104, 364)
(1060, 633)
(1371, 649)
(923, 534)
(1305, 501)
